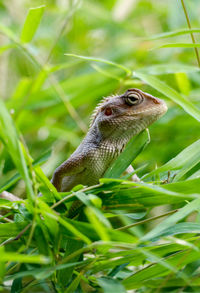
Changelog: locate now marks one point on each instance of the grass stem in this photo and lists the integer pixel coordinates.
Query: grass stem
(191, 33)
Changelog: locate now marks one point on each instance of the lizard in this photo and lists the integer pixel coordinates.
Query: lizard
(115, 120)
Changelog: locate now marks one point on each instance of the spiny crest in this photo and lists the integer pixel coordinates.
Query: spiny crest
(98, 108)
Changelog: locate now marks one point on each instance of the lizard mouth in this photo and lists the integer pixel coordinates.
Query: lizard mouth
(159, 109)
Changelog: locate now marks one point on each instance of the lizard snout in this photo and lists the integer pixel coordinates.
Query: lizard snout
(157, 101)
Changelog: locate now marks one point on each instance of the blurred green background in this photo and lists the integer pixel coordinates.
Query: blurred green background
(51, 96)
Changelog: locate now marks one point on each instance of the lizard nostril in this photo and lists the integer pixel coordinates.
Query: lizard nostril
(156, 101)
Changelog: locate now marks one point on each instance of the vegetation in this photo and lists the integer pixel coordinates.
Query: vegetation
(58, 58)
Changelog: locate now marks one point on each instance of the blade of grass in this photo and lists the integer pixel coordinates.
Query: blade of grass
(178, 45)
(184, 160)
(127, 70)
(110, 285)
(10, 137)
(170, 93)
(95, 221)
(31, 24)
(24, 258)
(191, 33)
(11, 229)
(174, 33)
(173, 219)
(41, 272)
(133, 149)
(40, 160)
(157, 270)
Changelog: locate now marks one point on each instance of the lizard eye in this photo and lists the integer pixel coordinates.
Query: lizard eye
(108, 111)
(133, 99)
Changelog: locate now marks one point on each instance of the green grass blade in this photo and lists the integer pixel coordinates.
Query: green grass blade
(181, 228)
(174, 33)
(95, 221)
(8, 32)
(172, 220)
(40, 272)
(11, 229)
(9, 135)
(132, 150)
(185, 160)
(110, 285)
(24, 258)
(31, 23)
(127, 70)
(74, 284)
(178, 45)
(50, 214)
(40, 160)
(156, 270)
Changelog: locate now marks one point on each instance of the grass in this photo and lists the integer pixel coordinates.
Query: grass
(57, 60)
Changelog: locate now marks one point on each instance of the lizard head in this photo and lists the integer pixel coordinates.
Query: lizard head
(127, 114)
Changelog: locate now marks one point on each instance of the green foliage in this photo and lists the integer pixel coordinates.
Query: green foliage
(56, 64)
(31, 24)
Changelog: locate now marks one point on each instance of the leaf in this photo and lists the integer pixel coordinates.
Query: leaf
(16, 285)
(39, 161)
(135, 146)
(11, 229)
(10, 138)
(185, 160)
(117, 269)
(8, 32)
(136, 257)
(49, 191)
(39, 273)
(6, 47)
(24, 258)
(95, 221)
(195, 159)
(31, 23)
(74, 284)
(5, 202)
(90, 231)
(65, 223)
(181, 228)
(128, 71)
(64, 275)
(170, 93)
(110, 285)
(172, 220)
(183, 82)
(2, 265)
(145, 195)
(191, 186)
(154, 271)
(178, 45)
(93, 213)
(50, 222)
(174, 33)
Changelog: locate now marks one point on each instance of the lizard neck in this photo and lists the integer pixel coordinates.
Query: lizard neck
(95, 139)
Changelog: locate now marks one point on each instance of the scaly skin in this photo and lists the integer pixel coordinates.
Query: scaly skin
(115, 120)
